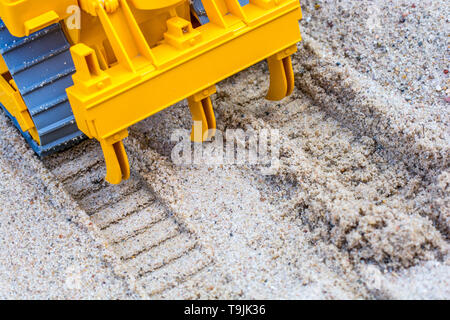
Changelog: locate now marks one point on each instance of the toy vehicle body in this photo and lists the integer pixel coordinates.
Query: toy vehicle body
(77, 68)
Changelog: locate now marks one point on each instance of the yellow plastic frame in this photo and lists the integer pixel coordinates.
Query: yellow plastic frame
(187, 63)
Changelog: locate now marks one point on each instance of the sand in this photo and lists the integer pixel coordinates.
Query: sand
(357, 210)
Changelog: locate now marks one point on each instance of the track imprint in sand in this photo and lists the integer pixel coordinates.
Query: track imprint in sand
(153, 247)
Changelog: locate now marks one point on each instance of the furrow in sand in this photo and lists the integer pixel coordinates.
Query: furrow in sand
(57, 163)
(175, 273)
(87, 162)
(129, 238)
(138, 203)
(87, 183)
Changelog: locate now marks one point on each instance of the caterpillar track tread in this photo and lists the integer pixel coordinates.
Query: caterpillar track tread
(73, 69)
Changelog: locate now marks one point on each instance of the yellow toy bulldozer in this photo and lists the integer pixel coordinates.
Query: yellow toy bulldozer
(92, 68)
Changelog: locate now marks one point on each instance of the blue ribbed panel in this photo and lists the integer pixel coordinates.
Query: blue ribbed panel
(42, 68)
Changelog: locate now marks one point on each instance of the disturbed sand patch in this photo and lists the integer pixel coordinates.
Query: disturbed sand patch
(400, 44)
(339, 182)
(381, 69)
(369, 110)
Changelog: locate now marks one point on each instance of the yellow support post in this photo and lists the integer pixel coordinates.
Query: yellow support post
(202, 112)
(281, 74)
